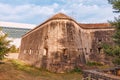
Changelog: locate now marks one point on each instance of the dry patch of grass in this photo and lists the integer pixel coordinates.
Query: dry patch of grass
(17, 70)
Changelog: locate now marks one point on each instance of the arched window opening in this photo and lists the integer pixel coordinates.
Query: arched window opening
(99, 41)
(91, 50)
(45, 52)
(65, 54)
(99, 50)
(30, 52)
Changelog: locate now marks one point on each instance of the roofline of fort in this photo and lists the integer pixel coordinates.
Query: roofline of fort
(64, 19)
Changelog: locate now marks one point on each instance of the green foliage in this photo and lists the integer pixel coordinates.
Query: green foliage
(13, 49)
(116, 61)
(93, 63)
(78, 70)
(22, 66)
(115, 5)
(116, 36)
(108, 49)
(111, 50)
(4, 46)
(116, 22)
(115, 50)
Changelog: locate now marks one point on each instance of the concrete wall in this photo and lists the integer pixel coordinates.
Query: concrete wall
(56, 46)
(60, 45)
(102, 75)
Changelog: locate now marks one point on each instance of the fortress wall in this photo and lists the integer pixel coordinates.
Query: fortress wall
(57, 46)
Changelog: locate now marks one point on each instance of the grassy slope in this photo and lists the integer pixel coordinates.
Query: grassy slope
(16, 70)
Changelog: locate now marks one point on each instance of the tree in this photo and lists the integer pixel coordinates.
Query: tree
(4, 45)
(115, 5)
(116, 22)
(13, 49)
(115, 51)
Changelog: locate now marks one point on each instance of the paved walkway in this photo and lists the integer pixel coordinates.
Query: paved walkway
(12, 55)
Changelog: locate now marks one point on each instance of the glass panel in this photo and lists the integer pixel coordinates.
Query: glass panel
(14, 32)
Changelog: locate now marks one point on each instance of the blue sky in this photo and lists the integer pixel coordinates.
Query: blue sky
(37, 11)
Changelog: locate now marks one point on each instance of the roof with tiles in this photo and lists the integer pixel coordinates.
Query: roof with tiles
(82, 25)
(60, 16)
(95, 26)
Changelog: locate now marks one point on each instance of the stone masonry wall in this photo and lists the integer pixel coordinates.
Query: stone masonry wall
(56, 46)
(60, 45)
(100, 38)
(95, 75)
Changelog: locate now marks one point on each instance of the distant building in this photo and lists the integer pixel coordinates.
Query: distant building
(15, 31)
(61, 44)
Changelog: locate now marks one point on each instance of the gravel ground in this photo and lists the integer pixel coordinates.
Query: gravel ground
(12, 55)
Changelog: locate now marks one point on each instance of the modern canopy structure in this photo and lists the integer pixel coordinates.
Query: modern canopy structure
(15, 31)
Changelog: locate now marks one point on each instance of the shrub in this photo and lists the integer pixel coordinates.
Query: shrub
(116, 61)
(94, 64)
(108, 49)
(14, 49)
(4, 46)
(78, 70)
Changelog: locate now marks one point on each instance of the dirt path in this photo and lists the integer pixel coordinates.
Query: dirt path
(12, 55)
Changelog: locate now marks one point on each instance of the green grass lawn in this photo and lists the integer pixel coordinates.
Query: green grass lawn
(17, 70)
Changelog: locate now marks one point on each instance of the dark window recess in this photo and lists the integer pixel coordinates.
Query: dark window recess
(79, 56)
(65, 56)
(72, 38)
(90, 50)
(99, 50)
(99, 40)
(46, 37)
(86, 53)
(85, 49)
(64, 51)
(56, 55)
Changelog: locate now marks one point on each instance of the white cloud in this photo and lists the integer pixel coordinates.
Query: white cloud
(90, 13)
(21, 12)
(81, 10)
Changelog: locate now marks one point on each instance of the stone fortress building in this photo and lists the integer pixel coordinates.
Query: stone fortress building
(61, 44)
